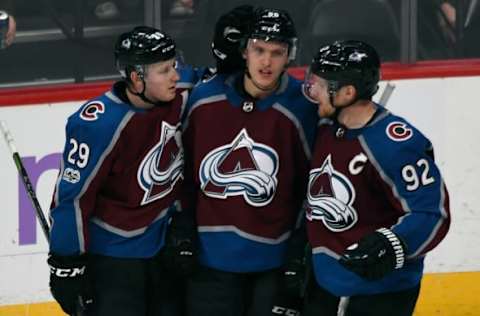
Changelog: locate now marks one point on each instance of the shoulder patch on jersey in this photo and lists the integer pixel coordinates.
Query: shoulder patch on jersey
(398, 131)
(91, 110)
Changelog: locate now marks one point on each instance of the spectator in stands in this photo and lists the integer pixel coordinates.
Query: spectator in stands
(182, 8)
(12, 30)
(7, 6)
(112, 9)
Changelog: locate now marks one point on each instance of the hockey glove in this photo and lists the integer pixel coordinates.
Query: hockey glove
(69, 282)
(180, 253)
(375, 255)
(230, 29)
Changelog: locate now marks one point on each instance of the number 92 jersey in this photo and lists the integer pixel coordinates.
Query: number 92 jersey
(381, 175)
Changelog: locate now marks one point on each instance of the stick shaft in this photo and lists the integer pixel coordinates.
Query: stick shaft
(386, 94)
(31, 192)
(26, 180)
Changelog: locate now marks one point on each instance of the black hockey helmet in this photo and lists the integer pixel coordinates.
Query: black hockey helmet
(230, 29)
(142, 46)
(274, 25)
(348, 62)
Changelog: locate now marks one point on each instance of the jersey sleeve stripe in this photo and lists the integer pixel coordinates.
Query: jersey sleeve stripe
(230, 228)
(78, 210)
(297, 124)
(128, 233)
(113, 97)
(384, 176)
(436, 231)
(200, 102)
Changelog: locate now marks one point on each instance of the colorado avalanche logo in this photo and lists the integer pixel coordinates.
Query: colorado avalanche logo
(398, 131)
(91, 111)
(242, 167)
(330, 197)
(162, 166)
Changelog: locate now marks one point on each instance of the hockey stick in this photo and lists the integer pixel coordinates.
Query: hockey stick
(386, 94)
(30, 190)
(26, 180)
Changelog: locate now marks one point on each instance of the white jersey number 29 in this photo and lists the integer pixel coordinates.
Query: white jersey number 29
(411, 175)
(78, 154)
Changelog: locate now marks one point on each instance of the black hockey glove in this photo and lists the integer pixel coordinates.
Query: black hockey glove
(375, 255)
(69, 283)
(180, 253)
(230, 29)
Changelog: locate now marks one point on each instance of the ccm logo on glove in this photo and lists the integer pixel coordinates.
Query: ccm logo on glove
(278, 310)
(67, 272)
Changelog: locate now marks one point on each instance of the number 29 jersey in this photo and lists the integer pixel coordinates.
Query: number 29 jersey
(120, 174)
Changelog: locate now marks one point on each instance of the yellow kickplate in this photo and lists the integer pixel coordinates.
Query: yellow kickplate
(34, 309)
(442, 294)
(449, 294)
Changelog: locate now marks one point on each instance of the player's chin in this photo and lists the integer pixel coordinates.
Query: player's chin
(266, 83)
(169, 95)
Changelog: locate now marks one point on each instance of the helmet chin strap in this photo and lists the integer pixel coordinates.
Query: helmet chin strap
(338, 109)
(333, 87)
(142, 95)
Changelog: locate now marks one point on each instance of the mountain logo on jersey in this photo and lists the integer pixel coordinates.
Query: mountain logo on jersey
(330, 197)
(242, 168)
(91, 111)
(398, 131)
(163, 165)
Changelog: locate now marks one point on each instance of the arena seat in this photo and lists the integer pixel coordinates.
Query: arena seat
(372, 21)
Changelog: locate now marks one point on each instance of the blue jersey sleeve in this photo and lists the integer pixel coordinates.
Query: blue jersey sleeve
(405, 162)
(91, 134)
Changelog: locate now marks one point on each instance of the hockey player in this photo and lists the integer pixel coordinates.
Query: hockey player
(247, 141)
(119, 177)
(376, 200)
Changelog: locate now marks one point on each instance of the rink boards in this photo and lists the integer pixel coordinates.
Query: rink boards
(446, 110)
(452, 294)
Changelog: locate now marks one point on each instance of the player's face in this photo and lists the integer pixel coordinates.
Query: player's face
(161, 79)
(317, 90)
(265, 62)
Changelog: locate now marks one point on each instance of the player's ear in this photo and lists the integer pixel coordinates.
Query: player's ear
(350, 92)
(136, 81)
(135, 77)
